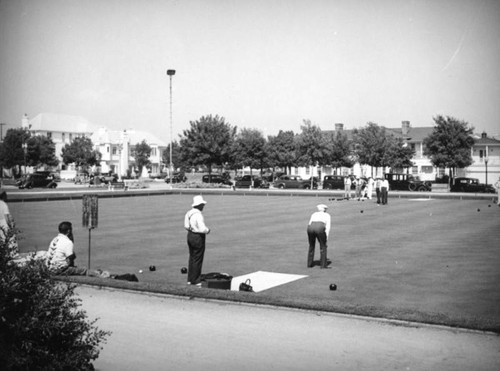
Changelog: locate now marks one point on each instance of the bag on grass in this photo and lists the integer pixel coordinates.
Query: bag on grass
(245, 286)
(126, 277)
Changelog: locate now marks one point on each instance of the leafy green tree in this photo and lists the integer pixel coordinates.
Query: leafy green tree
(176, 156)
(249, 149)
(281, 150)
(11, 151)
(81, 153)
(41, 151)
(397, 154)
(449, 145)
(339, 150)
(41, 324)
(207, 142)
(311, 146)
(370, 144)
(142, 153)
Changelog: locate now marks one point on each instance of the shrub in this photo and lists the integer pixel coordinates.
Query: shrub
(41, 325)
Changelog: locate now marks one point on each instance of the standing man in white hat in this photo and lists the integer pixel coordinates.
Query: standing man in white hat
(318, 228)
(197, 232)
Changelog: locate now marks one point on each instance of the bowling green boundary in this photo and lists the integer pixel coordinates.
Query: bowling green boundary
(422, 258)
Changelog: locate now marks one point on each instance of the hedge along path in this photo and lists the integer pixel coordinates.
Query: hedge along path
(432, 261)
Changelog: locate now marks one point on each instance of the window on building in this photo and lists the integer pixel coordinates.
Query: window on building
(414, 170)
(296, 170)
(308, 170)
(49, 134)
(481, 155)
(70, 137)
(63, 137)
(427, 169)
(114, 150)
(153, 151)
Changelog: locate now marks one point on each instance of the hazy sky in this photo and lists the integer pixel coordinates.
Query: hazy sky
(260, 64)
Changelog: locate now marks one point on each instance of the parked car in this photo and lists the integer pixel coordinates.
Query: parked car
(177, 177)
(217, 179)
(333, 182)
(103, 179)
(43, 179)
(246, 181)
(470, 185)
(407, 182)
(293, 181)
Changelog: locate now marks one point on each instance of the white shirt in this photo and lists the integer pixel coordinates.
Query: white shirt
(385, 183)
(194, 222)
(322, 217)
(60, 248)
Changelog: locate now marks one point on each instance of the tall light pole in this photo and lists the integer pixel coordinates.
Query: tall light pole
(486, 164)
(170, 73)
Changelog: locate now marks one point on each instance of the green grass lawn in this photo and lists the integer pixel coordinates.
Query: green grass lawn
(431, 261)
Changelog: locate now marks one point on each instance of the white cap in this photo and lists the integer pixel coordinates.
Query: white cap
(198, 200)
(322, 207)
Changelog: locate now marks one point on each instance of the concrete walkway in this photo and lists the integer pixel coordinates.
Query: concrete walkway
(156, 332)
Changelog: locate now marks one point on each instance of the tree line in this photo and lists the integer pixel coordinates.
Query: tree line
(215, 144)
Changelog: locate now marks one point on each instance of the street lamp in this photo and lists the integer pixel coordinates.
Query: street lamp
(25, 148)
(486, 164)
(170, 73)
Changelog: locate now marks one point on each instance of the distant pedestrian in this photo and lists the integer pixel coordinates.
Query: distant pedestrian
(347, 187)
(384, 190)
(369, 188)
(497, 188)
(358, 184)
(378, 189)
(194, 223)
(318, 229)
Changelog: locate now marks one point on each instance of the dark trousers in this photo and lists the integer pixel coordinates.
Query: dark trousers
(316, 231)
(384, 195)
(196, 244)
(378, 194)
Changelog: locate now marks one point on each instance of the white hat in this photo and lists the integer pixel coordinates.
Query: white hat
(322, 207)
(198, 200)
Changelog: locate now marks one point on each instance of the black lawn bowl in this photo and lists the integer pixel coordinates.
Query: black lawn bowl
(184, 270)
(152, 268)
(333, 287)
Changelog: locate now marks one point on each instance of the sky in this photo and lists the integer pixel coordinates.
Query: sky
(260, 64)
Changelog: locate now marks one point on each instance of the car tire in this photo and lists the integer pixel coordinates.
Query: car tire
(422, 189)
(412, 187)
(307, 186)
(281, 186)
(327, 186)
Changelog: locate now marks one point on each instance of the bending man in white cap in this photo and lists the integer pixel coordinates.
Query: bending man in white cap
(197, 232)
(318, 228)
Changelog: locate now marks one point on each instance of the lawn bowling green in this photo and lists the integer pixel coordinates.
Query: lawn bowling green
(423, 259)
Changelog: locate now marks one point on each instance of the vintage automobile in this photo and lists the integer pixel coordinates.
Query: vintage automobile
(333, 182)
(43, 179)
(294, 181)
(177, 177)
(407, 182)
(217, 179)
(247, 181)
(470, 185)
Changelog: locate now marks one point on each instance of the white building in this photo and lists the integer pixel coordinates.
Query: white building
(116, 147)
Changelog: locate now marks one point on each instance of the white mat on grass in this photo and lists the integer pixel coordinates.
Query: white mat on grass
(261, 280)
(420, 199)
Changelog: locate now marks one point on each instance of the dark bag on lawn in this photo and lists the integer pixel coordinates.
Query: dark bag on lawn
(245, 286)
(127, 277)
(216, 280)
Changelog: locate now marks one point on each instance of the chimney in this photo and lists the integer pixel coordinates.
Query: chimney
(405, 127)
(483, 135)
(339, 126)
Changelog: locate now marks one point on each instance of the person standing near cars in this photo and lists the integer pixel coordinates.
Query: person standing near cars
(497, 188)
(347, 187)
(384, 190)
(378, 189)
(318, 229)
(194, 223)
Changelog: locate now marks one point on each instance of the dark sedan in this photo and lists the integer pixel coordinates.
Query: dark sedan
(39, 179)
(470, 185)
(253, 181)
(294, 181)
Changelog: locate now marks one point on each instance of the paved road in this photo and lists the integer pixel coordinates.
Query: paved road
(154, 332)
